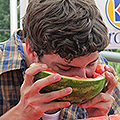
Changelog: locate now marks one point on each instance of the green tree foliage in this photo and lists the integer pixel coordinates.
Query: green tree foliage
(115, 65)
(4, 20)
(118, 66)
(118, 50)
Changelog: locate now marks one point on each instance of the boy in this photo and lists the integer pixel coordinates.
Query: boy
(67, 36)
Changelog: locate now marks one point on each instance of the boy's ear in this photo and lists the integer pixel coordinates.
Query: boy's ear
(32, 55)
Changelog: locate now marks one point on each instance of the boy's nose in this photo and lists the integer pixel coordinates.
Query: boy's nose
(81, 73)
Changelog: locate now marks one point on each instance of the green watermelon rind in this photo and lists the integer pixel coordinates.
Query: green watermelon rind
(73, 78)
(83, 89)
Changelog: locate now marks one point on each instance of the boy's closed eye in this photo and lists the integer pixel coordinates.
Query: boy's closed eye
(63, 68)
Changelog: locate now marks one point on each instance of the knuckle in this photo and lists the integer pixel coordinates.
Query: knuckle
(115, 81)
(112, 99)
(35, 110)
(54, 106)
(49, 79)
(27, 72)
(102, 96)
(37, 84)
(22, 88)
(38, 110)
(50, 96)
(26, 96)
(61, 93)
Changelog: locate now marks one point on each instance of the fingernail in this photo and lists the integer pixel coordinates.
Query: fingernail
(44, 66)
(68, 90)
(66, 104)
(57, 77)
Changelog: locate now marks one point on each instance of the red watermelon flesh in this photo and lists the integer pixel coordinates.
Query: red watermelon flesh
(110, 117)
(114, 117)
(98, 72)
(95, 118)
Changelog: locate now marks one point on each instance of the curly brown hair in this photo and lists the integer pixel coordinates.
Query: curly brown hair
(69, 28)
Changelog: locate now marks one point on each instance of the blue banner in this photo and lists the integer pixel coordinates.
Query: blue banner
(117, 10)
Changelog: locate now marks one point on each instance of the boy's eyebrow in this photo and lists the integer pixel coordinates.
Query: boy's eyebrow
(94, 60)
(66, 65)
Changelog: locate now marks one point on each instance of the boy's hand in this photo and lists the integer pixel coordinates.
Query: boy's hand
(101, 104)
(32, 104)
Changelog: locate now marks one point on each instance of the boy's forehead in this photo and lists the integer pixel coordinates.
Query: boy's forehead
(56, 59)
(84, 59)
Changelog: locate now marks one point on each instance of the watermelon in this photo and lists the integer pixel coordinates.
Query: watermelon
(83, 88)
(114, 117)
(96, 118)
(100, 69)
(110, 117)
